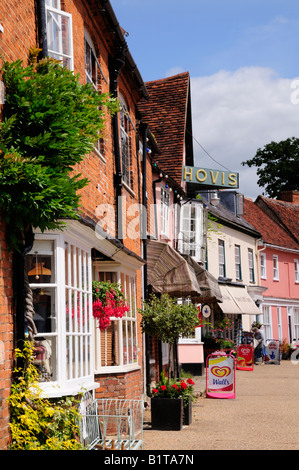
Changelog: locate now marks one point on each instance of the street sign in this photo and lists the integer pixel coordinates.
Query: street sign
(245, 357)
(211, 178)
(272, 351)
(220, 375)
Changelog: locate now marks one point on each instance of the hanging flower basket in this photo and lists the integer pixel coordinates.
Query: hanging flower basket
(108, 301)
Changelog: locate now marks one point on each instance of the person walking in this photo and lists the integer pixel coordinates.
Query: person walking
(259, 346)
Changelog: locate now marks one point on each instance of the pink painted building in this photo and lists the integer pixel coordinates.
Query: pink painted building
(278, 222)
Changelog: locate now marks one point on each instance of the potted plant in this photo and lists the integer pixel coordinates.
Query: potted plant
(166, 320)
(171, 403)
(285, 349)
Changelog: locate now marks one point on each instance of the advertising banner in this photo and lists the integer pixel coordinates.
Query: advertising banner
(220, 376)
(272, 351)
(245, 357)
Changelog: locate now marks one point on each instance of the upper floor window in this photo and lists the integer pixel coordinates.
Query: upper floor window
(191, 231)
(59, 33)
(263, 266)
(165, 211)
(59, 273)
(93, 76)
(126, 159)
(296, 268)
(238, 262)
(251, 265)
(221, 255)
(275, 268)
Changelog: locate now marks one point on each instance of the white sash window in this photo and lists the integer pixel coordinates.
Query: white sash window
(59, 33)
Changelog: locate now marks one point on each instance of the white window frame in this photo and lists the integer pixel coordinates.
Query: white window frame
(125, 143)
(279, 325)
(275, 268)
(251, 265)
(122, 323)
(238, 267)
(55, 18)
(221, 258)
(263, 266)
(83, 377)
(295, 318)
(99, 145)
(191, 231)
(165, 211)
(267, 321)
(296, 270)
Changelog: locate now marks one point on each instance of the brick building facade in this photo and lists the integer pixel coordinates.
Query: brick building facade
(105, 244)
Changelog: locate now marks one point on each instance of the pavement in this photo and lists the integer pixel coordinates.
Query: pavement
(264, 415)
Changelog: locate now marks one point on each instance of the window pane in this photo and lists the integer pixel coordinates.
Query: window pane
(45, 359)
(44, 309)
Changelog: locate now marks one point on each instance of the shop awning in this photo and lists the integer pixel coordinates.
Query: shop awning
(168, 272)
(236, 300)
(209, 286)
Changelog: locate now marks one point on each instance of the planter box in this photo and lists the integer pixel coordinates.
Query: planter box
(167, 413)
(187, 414)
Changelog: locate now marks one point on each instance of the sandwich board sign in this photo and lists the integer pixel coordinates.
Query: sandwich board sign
(272, 351)
(245, 357)
(220, 375)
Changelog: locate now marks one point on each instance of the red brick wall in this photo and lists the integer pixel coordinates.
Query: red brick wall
(120, 385)
(6, 336)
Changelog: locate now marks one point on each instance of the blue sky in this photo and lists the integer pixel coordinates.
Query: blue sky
(242, 56)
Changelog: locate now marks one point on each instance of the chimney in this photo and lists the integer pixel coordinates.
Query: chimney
(290, 196)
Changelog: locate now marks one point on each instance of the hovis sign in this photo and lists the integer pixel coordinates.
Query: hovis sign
(216, 178)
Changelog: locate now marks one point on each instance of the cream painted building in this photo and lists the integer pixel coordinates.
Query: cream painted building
(232, 258)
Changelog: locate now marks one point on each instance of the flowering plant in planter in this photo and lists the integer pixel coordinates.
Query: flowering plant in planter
(108, 301)
(174, 388)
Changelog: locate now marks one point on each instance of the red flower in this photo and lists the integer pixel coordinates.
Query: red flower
(155, 390)
(190, 382)
(163, 387)
(175, 386)
(184, 386)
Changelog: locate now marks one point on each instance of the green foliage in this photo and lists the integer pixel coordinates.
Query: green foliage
(38, 423)
(51, 121)
(277, 166)
(167, 320)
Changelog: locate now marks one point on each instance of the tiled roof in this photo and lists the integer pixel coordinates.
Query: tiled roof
(285, 213)
(273, 233)
(166, 114)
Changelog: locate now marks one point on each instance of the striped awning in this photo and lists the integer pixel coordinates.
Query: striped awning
(236, 300)
(178, 275)
(209, 286)
(168, 272)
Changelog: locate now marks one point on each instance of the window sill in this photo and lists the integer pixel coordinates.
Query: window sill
(117, 369)
(54, 390)
(130, 190)
(98, 153)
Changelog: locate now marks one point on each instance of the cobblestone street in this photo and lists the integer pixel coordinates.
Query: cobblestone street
(263, 416)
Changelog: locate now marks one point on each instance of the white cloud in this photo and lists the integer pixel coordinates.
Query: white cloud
(235, 113)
